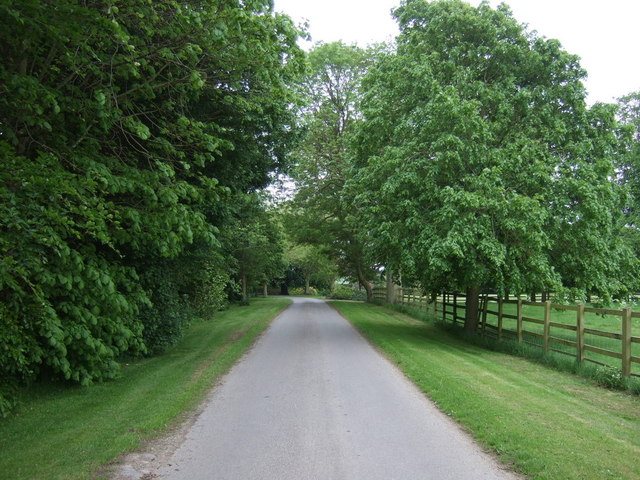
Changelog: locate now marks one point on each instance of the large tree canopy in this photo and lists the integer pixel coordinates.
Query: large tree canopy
(126, 131)
(480, 162)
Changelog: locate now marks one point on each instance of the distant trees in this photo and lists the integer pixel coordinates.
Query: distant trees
(255, 246)
(128, 132)
(323, 212)
(315, 266)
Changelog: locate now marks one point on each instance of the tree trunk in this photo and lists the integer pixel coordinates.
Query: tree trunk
(533, 297)
(544, 297)
(366, 284)
(244, 287)
(391, 288)
(306, 286)
(472, 310)
(266, 290)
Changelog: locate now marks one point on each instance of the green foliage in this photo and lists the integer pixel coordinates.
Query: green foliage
(127, 132)
(316, 267)
(479, 164)
(345, 292)
(191, 285)
(66, 305)
(322, 212)
(341, 292)
(629, 165)
(610, 377)
(300, 291)
(634, 385)
(254, 243)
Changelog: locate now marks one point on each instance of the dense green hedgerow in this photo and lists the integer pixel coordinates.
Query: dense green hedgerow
(128, 131)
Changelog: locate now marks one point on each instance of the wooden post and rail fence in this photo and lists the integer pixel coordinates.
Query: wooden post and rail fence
(588, 334)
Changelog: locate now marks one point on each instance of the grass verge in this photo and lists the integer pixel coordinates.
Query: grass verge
(62, 432)
(604, 375)
(547, 424)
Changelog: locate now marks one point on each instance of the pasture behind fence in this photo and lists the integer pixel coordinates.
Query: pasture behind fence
(597, 335)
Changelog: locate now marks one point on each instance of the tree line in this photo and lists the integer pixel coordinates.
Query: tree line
(137, 139)
(465, 157)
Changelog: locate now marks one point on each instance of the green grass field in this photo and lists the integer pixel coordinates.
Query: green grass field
(544, 423)
(606, 323)
(62, 432)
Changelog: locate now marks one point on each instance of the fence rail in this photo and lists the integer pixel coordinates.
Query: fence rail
(597, 335)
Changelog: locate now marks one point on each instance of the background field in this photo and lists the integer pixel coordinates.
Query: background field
(601, 341)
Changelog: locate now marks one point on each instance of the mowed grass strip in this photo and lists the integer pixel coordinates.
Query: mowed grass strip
(547, 424)
(67, 433)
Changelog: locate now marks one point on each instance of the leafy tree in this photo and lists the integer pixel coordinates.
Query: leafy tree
(255, 242)
(127, 129)
(590, 250)
(629, 164)
(313, 263)
(479, 161)
(322, 212)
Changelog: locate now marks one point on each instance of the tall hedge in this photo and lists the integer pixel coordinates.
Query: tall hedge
(126, 130)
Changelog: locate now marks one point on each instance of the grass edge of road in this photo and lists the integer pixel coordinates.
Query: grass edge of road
(63, 432)
(542, 423)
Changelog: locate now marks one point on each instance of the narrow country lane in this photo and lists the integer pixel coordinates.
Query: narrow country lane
(313, 400)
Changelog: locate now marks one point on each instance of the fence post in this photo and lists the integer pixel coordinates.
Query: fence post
(455, 308)
(444, 306)
(626, 342)
(547, 327)
(484, 314)
(580, 333)
(499, 318)
(434, 297)
(519, 321)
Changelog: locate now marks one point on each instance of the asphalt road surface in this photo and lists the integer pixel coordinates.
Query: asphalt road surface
(313, 400)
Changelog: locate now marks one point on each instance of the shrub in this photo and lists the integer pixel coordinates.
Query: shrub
(342, 292)
(610, 377)
(300, 291)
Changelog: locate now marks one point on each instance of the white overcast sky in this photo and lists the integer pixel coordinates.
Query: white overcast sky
(605, 34)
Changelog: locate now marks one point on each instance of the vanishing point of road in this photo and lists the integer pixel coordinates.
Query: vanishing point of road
(314, 401)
